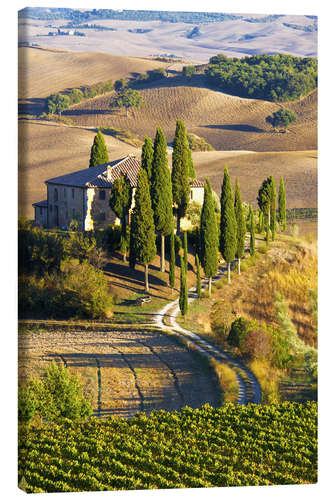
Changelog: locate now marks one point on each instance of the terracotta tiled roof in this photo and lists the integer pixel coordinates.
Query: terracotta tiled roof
(98, 176)
(104, 175)
(196, 183)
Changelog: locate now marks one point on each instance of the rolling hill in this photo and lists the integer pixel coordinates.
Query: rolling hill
(43, 71)
(225, 121)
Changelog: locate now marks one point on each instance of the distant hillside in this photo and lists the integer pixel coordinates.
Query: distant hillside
(44, 71)
(224, 121)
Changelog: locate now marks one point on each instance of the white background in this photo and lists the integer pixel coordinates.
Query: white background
(8, 179)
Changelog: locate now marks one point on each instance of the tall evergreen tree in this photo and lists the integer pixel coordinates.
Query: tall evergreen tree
(261, 222)
(161, 192)
(198, 283)
(228, 242)
(172, 260)
(191, 170)
(208, 236)
(273, 208)
(282, 218)
(267, 235)
(142, 236)
(147, 156)
(185, 250)
(267, 199)
(241, 225)
(120, 202)
(180, 172)
(98, 153)
(183, 298)
(252, 233)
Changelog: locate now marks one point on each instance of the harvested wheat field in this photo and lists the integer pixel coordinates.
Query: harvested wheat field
(123, 372)
(43, 71)
(225, 121)
(298, 168)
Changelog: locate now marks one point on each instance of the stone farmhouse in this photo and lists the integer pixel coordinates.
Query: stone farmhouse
(84, 195)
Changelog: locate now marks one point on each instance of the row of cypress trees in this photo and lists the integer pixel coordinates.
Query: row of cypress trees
(160, 190)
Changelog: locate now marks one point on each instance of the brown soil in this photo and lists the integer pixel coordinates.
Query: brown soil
(123, 372)
(225, 121)
(44, 71)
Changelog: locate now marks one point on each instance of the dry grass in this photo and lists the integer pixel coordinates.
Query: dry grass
(292, 273)
(227, 380)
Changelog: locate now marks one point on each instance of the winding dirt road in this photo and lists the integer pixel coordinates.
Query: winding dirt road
(248, 387)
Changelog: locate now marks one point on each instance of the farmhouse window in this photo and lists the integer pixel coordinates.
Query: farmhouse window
(73, 193)
(73, 212)
(102, 195)
(191, 194)
(56, 194)
(40, 211)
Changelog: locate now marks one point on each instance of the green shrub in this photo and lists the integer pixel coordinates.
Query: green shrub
(238, 331)
(262, 249)
(55, 397)
(78, 290)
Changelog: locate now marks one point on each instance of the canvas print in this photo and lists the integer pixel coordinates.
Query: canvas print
(167, 260)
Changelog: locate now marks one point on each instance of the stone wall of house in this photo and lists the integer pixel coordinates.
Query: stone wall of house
(197, 194)
(98, 212)
(65, 203)
(41, 216)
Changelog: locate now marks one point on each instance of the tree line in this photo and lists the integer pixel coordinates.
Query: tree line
(162, 195)
(278, 77)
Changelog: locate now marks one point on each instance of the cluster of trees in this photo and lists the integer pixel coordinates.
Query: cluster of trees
(60, 276)
(57, 103)
(158, 193)
(282, 118)
(189, 71)
(56, 397)
(79, 16)
(276, 78)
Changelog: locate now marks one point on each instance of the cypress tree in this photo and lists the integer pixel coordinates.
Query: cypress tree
(282, 218)
(183, 298)
(180, 172)
(208, 236)
(147, 156)
(172, 260)
(198, 284)
(228, 242)
(261, 222)
(185, 249)
(161, 192)
(267, 233)
(191, 170)
(252, 233)
(142, 236)
(241, 226)
(120, 202)
(273, 208)
(98, 153)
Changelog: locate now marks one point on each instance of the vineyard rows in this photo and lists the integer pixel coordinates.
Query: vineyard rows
(206, 447)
